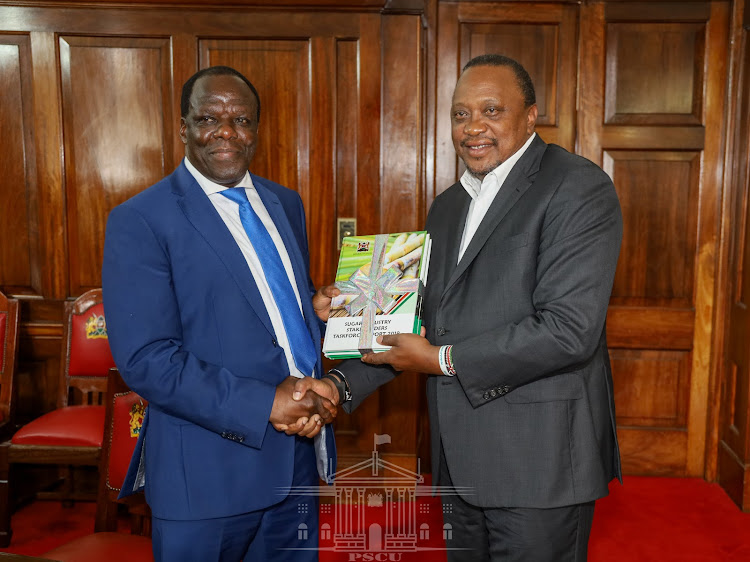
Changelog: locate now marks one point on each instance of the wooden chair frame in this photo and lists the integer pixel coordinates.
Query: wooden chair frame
(107, 503)
(8, 365)
(91, 390)
(106, 543)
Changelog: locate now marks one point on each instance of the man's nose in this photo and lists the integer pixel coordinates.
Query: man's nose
(225, 130)
(475, 125)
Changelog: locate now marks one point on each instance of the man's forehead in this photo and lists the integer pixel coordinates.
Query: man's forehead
(488, 98)
(485, 83)
(216, 84)
(221, 97)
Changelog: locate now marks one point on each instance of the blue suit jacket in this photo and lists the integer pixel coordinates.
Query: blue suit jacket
(190, 333)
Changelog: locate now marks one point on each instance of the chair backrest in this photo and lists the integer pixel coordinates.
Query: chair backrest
(124, 416)
(86, 357)
(8, 349)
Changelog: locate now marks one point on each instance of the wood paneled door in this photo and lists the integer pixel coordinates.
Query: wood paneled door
(734, 421)
(650, 113)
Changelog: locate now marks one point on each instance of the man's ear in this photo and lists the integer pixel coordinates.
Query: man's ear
(531, 116)
(183, 127)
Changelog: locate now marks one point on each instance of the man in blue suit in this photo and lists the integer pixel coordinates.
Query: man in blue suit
(211, 316)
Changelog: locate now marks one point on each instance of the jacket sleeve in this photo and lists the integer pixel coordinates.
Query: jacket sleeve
(363, 380)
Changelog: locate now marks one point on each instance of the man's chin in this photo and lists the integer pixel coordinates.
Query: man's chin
(228, 178)
(481, 172)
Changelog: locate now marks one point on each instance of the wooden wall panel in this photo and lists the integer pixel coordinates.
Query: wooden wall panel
(659, 196)
(650, 387)
(653, 122)
(653, 452)
(347, 154)
(542, 40)
(655, 73)
(117, 129)
(19, 262)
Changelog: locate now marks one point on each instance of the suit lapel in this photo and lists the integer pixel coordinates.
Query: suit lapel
(206, 220)
(518, 181)
(458, 206)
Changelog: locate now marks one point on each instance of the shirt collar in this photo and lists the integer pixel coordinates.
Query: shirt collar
(210, 187)
(473, 185)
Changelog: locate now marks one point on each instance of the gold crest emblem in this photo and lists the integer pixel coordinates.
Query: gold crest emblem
(96, 327)
(136, 419)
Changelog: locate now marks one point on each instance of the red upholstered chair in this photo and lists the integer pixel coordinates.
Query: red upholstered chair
(124, 417)
(125, 411)
(70, 435)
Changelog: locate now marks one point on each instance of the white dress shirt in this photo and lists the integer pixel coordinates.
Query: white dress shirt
(483, 193)
(229, 212)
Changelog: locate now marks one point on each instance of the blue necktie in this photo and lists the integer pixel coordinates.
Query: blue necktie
(303, 349)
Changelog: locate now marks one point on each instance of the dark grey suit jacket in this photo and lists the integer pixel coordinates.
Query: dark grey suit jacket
(529, 420)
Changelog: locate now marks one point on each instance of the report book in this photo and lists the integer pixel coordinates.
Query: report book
(382, 279)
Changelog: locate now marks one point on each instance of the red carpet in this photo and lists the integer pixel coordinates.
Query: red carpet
(647, 519)
(669, 520)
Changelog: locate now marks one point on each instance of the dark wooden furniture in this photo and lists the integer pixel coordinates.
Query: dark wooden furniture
(71, 434)
(8, 348)
(124, 416)
(8, 353)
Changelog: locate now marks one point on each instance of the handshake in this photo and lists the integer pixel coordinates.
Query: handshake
(302, 406)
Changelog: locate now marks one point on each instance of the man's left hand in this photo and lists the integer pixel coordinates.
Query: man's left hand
(409, 352)
(303, 427)
(322, 301)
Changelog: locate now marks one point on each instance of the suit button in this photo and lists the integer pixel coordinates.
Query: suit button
(274, 342)
(486, 395)
(506, 389)
(224, 434)
(441, 331)
(240, 439)
(493, 393)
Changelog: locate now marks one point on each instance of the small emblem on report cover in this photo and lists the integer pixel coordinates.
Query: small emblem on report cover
(96, 327)
(136, 419)
(363, 246)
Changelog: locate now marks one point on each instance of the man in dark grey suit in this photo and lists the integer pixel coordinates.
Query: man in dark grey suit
(521, 407)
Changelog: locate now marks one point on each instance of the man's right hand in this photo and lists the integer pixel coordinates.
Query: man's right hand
(303, 413)
(322, 387)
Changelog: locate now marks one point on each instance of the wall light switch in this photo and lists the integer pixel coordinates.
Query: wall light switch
(347, 226)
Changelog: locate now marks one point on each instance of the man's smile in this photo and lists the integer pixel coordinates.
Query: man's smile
(479, 147)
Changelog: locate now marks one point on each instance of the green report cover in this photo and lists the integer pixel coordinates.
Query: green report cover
(381, 278)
